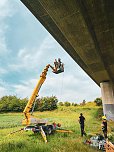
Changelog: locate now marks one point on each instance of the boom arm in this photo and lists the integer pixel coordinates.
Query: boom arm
(34, 95)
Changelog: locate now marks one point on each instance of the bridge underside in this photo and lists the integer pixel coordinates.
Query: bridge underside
(84, 28)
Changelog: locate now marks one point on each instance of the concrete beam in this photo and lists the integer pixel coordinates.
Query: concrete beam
(107, 91)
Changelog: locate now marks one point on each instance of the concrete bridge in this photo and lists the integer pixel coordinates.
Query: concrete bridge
(85, 29)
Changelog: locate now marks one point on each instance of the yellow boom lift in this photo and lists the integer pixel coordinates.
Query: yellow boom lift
(40, 125)
(28, 118)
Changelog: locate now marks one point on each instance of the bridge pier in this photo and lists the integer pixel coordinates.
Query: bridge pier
(107, 92)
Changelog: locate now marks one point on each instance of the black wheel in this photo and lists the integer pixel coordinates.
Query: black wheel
(49, 131)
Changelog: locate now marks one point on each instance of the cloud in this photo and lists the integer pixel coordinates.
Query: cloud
(5, 9)
(65, 87)
(4, 88)
(3, 91)
(33, 58)
(69, 88)
(5, 12)
(3, 71)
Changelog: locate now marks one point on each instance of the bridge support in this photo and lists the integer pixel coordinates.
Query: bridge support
(107, 91)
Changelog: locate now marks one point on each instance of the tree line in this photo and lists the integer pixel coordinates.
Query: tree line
(15, 104)
(98, 102)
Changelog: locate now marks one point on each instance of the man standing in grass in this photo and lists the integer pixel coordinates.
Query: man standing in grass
(81, 121)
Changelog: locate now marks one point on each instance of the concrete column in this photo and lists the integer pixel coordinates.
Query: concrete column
(107, 92)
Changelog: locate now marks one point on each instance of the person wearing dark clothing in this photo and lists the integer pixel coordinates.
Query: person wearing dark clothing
(56, 65)
(81, 121)
(59, 63)
(104, 126)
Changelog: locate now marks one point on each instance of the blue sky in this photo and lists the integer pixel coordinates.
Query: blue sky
(26, 48)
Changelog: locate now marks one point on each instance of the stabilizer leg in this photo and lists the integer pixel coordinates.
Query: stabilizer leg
(43, 134)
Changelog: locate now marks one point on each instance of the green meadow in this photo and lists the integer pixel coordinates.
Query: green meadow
(58, 142)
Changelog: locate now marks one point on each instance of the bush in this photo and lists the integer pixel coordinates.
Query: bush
(61, 104)
(98, 101)
(75, 104)
(67, 103)
(72, 104)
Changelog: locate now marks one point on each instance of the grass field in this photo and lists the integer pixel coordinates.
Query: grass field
(59, 142)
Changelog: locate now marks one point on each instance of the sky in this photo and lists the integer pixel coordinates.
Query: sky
(26, 47)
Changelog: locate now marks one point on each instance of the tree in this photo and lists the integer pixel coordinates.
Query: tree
(98, 101)
(12, 103)
(47, 103)
(67, 104)
(83, 103)
(72, 104)
(75, 104)
(61, 104)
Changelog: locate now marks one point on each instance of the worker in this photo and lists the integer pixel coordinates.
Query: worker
(56, 126)
(104, 126)
(59, 63)
(62, 67)
(81, 121)
(56, 65)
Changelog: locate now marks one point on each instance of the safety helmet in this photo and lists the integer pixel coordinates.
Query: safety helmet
(104, 117)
